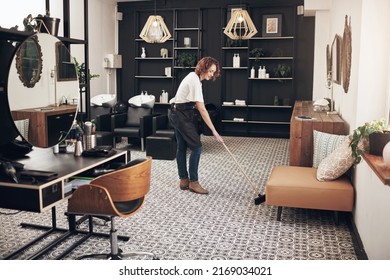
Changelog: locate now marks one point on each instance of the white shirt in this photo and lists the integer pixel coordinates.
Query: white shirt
(190, 89)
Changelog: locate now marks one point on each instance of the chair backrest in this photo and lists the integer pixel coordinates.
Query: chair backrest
(128, 183)
(134, 114)
(99, 110)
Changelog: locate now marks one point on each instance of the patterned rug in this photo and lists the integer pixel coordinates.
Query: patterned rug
(224, 225)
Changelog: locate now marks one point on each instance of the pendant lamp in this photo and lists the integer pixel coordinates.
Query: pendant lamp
(240, 26)
(155, 30)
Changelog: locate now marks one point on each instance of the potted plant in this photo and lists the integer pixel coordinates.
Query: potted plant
(81, 72)
(370, 137)
(186, 60)
(42, 23)
(257, 53)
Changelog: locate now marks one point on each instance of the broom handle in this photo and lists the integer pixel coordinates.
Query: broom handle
(246, 176)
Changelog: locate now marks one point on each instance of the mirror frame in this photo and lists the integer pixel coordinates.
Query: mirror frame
(19, 62)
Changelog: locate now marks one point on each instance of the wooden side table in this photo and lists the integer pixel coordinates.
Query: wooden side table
(304, 120)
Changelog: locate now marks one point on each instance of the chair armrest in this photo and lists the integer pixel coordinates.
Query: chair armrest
(118, 120)
(160, 122)
(103, 122)
(146, 125)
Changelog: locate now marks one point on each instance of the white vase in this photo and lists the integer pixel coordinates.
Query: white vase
(143, 54)
(386, 154)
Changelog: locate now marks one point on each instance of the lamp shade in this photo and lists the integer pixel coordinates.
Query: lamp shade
(240, 26)
(155, 30)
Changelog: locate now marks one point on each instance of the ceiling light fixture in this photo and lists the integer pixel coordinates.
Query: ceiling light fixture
(240, 25)
(155, 29)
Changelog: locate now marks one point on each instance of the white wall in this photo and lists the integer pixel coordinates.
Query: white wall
(102, 32)
(367, 99)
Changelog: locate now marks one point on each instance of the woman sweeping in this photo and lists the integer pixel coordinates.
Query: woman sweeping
(189, 96)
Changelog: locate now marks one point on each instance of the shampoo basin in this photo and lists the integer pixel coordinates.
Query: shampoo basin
(104, 99)
(146, 101)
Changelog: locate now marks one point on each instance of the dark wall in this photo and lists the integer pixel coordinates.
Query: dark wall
(213, 21)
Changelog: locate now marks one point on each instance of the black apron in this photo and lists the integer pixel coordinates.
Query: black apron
(185, 123)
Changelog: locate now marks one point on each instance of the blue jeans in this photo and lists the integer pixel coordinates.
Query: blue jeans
(181, 155)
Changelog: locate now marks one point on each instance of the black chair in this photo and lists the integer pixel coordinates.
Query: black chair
(162, 143)
(162, 126)
(135, 123)
(104, 132)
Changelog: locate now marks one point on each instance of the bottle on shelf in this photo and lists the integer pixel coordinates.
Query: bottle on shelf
(259, 73)
(236, 60)
(253, 72)
(263, 72)
(143, 54)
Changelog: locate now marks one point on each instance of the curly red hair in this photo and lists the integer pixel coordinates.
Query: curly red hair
(204, 65)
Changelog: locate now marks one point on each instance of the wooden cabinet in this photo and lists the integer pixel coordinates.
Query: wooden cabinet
(47, 125)
(301, 133)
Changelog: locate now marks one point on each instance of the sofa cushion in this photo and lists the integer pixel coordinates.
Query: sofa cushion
(324, 144)
(336, 163)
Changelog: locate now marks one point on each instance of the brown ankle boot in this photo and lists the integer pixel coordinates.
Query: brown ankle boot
(184, 183)
(196, 188)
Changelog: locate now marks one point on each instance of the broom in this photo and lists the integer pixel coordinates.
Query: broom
(261, 197)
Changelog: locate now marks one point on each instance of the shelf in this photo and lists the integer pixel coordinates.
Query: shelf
(187, 29)
(184, 68)
(273, 38)
(271, 106)
(235, 48)
(272, 58)
(264, 122)
(270, 79)
(153, 77)
(154, 58)
(234, 68)
(231, 121)
(379, 167)
(186, 48)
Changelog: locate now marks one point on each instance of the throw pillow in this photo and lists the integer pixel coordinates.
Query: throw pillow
(324, 144)
(337, 163)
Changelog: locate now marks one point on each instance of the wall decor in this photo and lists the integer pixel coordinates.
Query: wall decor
(272, 25)
(336, 59)
(346, 53)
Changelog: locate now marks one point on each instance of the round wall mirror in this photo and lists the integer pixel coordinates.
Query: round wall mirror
(40, 100)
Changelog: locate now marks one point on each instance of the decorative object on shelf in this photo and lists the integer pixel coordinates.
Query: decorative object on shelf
(360, 141)
(164, 97)
(240, 25)
(164, 53)
(377, 141)
(187, 42)
(42, 23)
(143, 53)
(236, 60)
(233, 43)
(257, 53)
(386, 154)
(276, 100)
(282, 71)
(347, 53)
(155, 29)
(272, 26)
(168, 71)
(186, 60)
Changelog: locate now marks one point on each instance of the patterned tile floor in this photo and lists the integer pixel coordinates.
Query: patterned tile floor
(226, 224)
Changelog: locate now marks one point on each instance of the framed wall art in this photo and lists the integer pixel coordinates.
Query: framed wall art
(272, 26)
